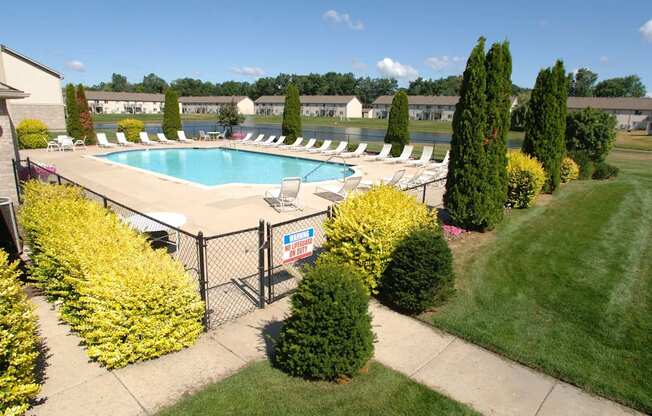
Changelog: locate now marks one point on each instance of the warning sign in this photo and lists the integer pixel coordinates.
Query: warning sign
(299, 245)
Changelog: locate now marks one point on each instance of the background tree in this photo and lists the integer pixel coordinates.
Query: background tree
(582, 83)
(229, 116)
(119, 83)
(73, 124)
(291, 126)
(467, 187)
(397, 126)
(85, 118)
(152, 83)
(591, 132)
(171, 117)
(629, 86)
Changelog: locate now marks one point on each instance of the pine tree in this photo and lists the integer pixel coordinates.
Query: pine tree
(73, 124)
(467, 188)
(171, 116)
(292, 114)
(562, 85)
(85, 118)
(397, 126)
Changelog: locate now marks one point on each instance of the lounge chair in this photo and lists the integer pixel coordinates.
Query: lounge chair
(324, 146)
(384, 152)
(296, 143)
(277, 143)
(102, 141)
(247, 138)
(344, 189)
(203, 135)
(182, 137)
(359, 151)
(66, 142)
(163, 139)
(122, 139)
(442, 164)
(339, 149)
(257, 140)
(420, 176)
(285, 197)
(426, 154)
(269, 140)
(308, 146)
(394, 180)
(144, 139)
(404, 156)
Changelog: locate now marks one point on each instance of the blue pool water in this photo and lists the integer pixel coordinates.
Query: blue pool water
(212, 167)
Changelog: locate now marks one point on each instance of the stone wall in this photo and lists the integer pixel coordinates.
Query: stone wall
(7, 153)
(51, 114)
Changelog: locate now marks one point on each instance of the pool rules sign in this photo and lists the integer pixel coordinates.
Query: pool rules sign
(299, 245)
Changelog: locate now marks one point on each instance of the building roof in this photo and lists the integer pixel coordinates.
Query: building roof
(308, 99)
(18, 55)
(7, 91)
(421, 99)
(611, 103)
(213, 99)
(124, 96)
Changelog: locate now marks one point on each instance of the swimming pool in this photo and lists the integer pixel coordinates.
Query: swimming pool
(218, 166)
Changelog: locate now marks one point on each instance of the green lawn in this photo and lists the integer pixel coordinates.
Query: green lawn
(262, 390)
(635, 140)
(566, 286)
(149, 118)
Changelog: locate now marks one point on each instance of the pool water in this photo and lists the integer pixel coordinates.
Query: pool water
(211, 167)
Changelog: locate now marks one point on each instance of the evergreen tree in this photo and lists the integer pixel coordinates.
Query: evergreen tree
(397, 125)
(292, 114)
(171, 116)
(467, 188)
(562, 86)
(85, 118)
(73, 124)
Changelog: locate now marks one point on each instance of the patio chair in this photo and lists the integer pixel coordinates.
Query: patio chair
(296, 143)
(393, 180)
(203, 135)
(122, 139)
(277, 143)
(403, 157)
(309, 145)
(66, 142)
(384, 153)
(324, 146)
(359, 151)
(163, 139)
(339, 149)
(420, 176)
(182, 137)
(257, 140)
(144, 139)
(342, 189)
(102, 141)
(426, 154)
(269, 140)
(285, 197)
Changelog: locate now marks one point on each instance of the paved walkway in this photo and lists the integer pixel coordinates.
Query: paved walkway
(462, 371)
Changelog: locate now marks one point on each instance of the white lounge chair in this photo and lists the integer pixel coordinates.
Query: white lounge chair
(203, 135)
(163, 139)
(102, 140)
(384, 152)
(285, 197)
(393, 180)
(144, 139)
(404, 156)
(255, 141)
(277, 143)
(359, 151)
(247, 138)
(269, 140)
(426, 154)
(122, 139)
(296, 143)
(308, 146)
(342, 189)
(65, 142)
(324, 146)
(339, 149)
(420, 176)
(182, 137)
(442, 164)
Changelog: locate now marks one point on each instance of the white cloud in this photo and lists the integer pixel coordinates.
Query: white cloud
(357, 64)
(248, 71)
(335, 17)
(604, 59)
(442, 62)
(395, 69)
(76, 65)
(646, 30)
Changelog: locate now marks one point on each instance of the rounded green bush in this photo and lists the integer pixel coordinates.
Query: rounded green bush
(603, 170)
(131, 128)
(32, 134)
(420, 274)
(526, 178)
(328, 336)
(585, 164)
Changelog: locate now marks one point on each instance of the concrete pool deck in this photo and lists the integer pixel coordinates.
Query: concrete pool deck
(216, 210)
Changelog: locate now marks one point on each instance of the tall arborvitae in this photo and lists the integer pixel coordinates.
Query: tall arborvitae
(291, 127)
(562, 85)
(85, 118)
(499, 71)
(397, 126)
(73, 125)
(467, 188)
(171, 117)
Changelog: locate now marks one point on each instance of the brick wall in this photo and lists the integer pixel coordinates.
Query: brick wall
(7, 153)
(51, 114)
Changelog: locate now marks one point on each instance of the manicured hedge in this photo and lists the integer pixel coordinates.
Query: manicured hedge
(569, 170)
(526, 179)
(128, 301)
(18, 343)
(131, 128)
(32, 134)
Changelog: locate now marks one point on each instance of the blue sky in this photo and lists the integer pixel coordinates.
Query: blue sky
(217, 41)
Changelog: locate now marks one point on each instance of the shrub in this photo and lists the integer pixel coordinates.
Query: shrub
(18, 343)
(328, 335)
(85, 117)
(603, 170)
(592, 132)
(127, 301)
(526, 179)
(420, 273)
(131, 128)
(32, 134)
(397, 124)
(569, 170)
(366, 229)
(585, 165)
(291, 126)
(171, 117)
(73, 121)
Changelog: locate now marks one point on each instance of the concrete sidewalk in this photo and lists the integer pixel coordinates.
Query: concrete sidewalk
(462, 371)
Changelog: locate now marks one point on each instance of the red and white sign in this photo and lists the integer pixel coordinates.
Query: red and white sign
(299, 245)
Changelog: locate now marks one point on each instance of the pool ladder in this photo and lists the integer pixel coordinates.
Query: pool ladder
(304, 178)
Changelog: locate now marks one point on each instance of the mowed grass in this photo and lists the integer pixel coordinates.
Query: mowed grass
(635, 140)
(566, 286)
(262, 390)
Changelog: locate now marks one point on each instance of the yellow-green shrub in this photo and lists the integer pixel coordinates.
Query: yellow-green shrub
(131, 128)
(366, 229)
(569, 170)
(18, 343)
(32, 134)
(526, 179)
(127, 301)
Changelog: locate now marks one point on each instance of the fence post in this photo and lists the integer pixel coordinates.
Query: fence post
(423, 198)
(261, 263)
(106, 203)
(16, 165)
(201, 246)
(29, 169)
